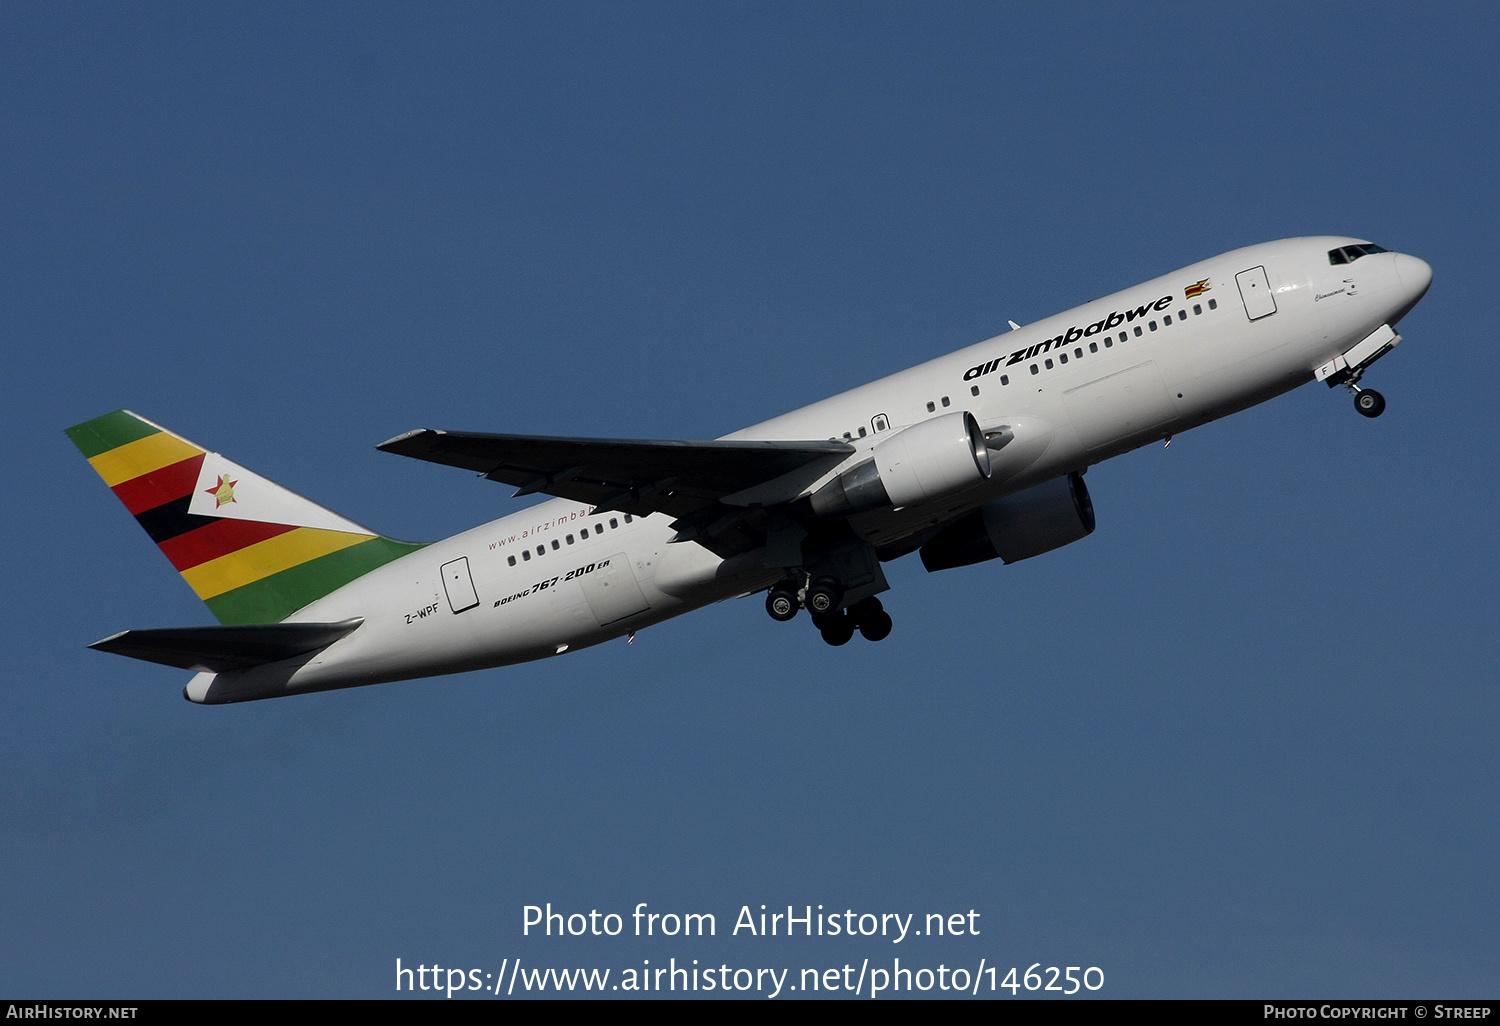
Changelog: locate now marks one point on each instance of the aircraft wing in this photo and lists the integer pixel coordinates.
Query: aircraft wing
(681, 479)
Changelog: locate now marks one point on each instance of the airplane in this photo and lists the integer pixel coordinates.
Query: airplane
(974, 456)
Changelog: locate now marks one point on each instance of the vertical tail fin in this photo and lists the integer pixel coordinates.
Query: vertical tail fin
(251, 550)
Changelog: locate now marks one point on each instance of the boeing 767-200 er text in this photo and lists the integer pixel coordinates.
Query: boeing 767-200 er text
(973, 456)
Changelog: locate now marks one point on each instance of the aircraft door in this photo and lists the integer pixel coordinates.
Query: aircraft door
(459, 585)
(612, 591)
(1255, 290)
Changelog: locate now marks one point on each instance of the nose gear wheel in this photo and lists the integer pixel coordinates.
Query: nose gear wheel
(1369, 402)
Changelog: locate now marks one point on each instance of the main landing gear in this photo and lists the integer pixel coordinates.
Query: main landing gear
(782, 602)
(822, 597)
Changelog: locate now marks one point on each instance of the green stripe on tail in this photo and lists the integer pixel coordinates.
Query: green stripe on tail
(109, 432)
(278, 596)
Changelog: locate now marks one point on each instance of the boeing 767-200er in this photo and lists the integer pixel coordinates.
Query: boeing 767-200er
(973, 456)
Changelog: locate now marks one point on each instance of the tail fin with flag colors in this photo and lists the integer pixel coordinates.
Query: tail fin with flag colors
(251, 550)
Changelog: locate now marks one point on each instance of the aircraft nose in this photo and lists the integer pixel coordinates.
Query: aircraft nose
(1415, 273)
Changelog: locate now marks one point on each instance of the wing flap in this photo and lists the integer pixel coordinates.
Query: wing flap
(217, 649)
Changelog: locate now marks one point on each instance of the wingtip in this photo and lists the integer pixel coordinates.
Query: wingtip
(390, 443)
(98, 646)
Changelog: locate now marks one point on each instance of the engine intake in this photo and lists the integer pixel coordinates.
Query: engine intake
(1028, 523)
(925, 461)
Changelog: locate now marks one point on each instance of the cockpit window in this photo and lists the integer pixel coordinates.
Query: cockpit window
(1349, 254)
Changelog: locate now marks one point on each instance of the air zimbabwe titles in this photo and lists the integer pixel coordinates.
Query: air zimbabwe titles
(1114, 320)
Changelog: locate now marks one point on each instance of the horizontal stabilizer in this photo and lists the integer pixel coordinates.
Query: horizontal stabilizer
(217, 649)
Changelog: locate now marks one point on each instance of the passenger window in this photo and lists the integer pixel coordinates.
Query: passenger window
(1122, 335)
(628, 518)
(847, 436)
(1197, 309)
(1005, 379)
(1182, 315)
(1078, 353)
(541, 550)
(570, 539)
(1049, 364)
(945, 401)
(1152, 325)
(931, 407)
(1093, 347)
(526, 555)
(1034, 370)
(1110, 345)
(1165, 320)
(512, 560)
(613, 523)
(555, 546)
(861, 431)
(1062, 357)
(1213, 304)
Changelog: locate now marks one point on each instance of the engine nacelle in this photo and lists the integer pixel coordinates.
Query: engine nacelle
(1039, 519)
(925, 461)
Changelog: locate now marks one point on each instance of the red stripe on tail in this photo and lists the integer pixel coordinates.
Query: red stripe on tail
(217, 539)
(160, 486)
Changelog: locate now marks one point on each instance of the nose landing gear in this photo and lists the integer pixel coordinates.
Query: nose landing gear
(1347, 369)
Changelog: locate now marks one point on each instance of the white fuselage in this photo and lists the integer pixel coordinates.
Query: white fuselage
(1076, 389)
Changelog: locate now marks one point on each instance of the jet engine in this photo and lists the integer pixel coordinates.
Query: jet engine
(925, 461)
(1028, 523)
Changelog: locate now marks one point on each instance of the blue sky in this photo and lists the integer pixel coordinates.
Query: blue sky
(1237, 743)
